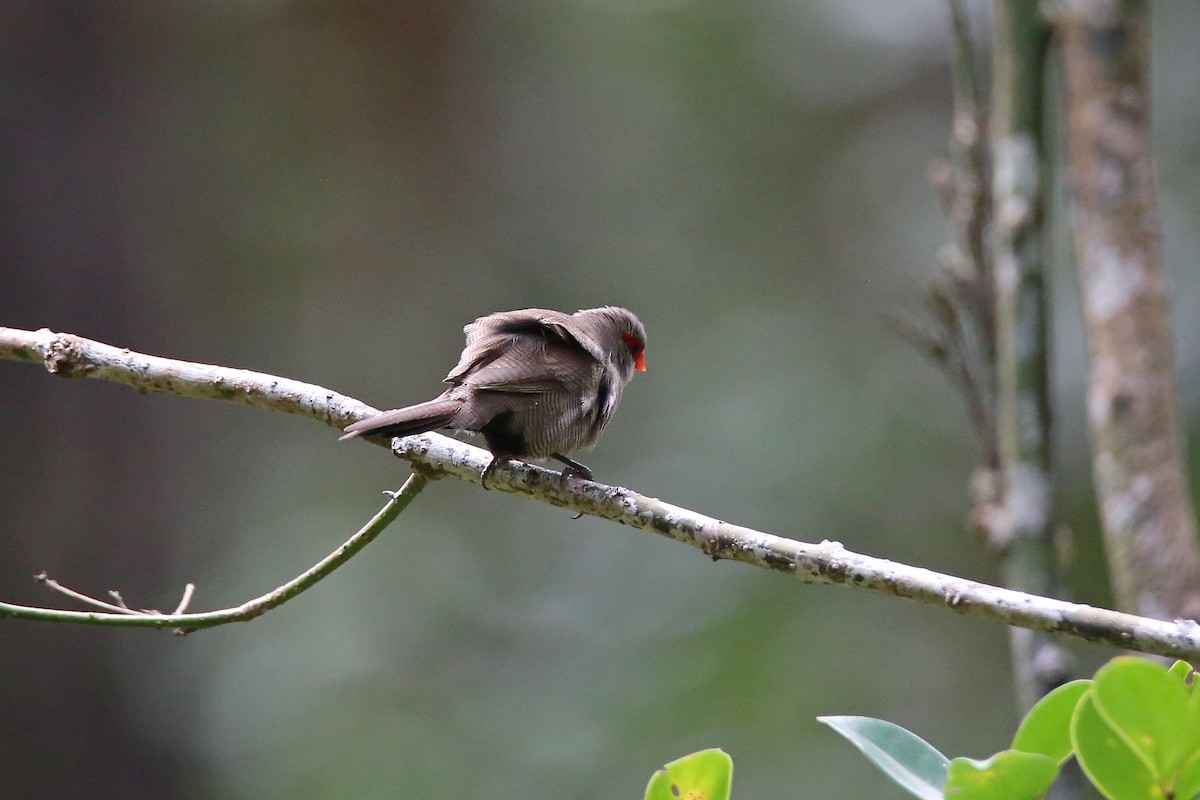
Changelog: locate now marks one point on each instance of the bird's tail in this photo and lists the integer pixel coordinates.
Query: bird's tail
(420, 418)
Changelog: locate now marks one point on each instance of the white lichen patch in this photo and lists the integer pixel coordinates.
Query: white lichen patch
(1111, 283)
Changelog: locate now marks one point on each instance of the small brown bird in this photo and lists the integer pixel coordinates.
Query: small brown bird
(536, 383)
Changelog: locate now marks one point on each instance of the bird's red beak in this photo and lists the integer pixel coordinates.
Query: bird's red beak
(636, 349)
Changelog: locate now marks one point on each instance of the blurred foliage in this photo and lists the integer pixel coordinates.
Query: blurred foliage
(329, 191)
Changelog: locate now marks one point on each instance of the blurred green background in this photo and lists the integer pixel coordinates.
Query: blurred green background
(329, 191)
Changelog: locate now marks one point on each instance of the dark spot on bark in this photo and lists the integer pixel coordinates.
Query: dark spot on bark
(1122, 404)
(1109, 44)
(780, 562)
(722, 546)
(1088, 630)
(833, 570)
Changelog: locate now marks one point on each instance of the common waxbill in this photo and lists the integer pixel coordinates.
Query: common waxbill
(536, 383)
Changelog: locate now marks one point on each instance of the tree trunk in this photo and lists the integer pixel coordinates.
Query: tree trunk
(1141, 486)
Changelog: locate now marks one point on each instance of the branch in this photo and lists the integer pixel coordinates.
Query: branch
(435, 455)
(1023, 519)
(827, 562)
(117, 608)
(70, 356)
(123, 616)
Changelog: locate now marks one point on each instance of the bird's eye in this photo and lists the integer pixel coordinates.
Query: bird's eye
(634, 344)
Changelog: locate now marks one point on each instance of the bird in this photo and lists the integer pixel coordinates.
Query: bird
(536, 383)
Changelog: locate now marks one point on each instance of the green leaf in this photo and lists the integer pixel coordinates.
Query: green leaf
(903, 756)
(705, 775)
(1187, 781)
(1181, 670)
(1046, 729)
(1187, 786)
(1191, 735)
(1107, 759)
(1147, 707)
(1010, 775)
(1190, 772)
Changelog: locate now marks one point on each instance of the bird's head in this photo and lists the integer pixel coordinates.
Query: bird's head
(620, 333)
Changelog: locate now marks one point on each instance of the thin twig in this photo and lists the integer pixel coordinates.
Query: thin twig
(959, 334)
(50, 583)
(120, 606)
(187, 622)
(186, 600)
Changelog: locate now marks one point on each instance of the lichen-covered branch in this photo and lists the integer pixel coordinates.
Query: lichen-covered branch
(826, 562)
(70, 356)
(434, 455)
(1138, 453)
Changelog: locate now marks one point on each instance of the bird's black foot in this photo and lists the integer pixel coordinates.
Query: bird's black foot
(573, 468)
(490, 468)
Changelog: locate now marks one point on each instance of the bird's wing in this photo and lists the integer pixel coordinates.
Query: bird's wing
(531, 350)
(531, 365)
(525, 320)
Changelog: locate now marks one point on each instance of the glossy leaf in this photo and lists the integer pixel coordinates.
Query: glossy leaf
(1147, 707)
(1107, 759)
(1046, 729)
(903, 756)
